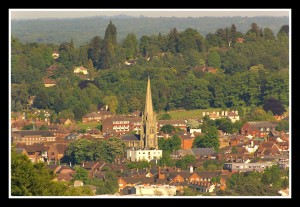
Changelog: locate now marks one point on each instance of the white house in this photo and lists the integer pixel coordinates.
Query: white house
(154, 190)
(148, 155)
(81, 69)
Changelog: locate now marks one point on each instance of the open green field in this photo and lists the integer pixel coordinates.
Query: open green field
(183, 114)
(87, 125)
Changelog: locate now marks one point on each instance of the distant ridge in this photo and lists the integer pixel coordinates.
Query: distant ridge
(81, 30)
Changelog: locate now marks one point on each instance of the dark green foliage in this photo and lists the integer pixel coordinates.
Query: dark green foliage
(168, 129)
(248, 184)
(283, 125)
(267, 183)
(86, 150)
(185, 161)
(81, 174)
(170, 144)
(166, 160)
(138, 165)
(253, 71)
(28, 127)
(164, 117)
(274, 105)
(209, 139)
(43, 127)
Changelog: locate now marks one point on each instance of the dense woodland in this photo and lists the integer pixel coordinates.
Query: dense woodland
(247, 72)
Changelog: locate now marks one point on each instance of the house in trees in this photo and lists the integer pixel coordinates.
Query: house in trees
(48, 82)
(55, 55)
(81, 69)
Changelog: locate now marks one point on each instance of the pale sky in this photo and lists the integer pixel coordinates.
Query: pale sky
(75, 13)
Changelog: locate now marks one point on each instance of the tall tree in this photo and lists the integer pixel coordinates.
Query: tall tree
(130, 45)
(274, 105)
(94, 50)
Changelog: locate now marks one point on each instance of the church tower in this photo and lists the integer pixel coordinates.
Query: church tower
(149, 125)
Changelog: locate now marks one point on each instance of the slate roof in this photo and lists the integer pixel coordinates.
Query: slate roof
(43, 133)
(130, 137)
(195, 151)
(36, 147)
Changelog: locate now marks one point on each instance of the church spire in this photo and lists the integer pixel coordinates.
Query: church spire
(149, 125)
(148, 104)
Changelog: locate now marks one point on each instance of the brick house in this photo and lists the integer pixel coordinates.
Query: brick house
(267, 148)
(121, 125)
(97, 116)
(56, 151)
(30, 137)
(36, 152)
(258, 128)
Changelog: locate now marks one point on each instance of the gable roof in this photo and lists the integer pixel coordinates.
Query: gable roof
(36, 147)
(61, 148)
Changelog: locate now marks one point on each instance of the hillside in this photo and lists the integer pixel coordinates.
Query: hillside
(81, 30)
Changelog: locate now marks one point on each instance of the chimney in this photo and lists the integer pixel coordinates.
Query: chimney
(252, 144)
(218, 113)
(236, 112)
(226, 113)
(191, 169)
(203, 113)
(83, 164)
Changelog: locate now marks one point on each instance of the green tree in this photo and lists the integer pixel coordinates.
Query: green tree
(209, 139)
(268, 34)
(164, 117)
(28, 127)
(112, 102)
(94, 50)
(283, 125)
(185, 161)
(214, 59)
(168, 129)
(130, 45)
(81, 174)
(79, 151)
(28, 179)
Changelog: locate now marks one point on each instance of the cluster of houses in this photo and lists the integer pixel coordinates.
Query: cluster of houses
(256, 147)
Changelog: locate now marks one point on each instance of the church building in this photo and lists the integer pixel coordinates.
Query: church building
(148, 137)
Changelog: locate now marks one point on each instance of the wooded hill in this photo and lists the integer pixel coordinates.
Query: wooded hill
(81, 30)
(226, 68)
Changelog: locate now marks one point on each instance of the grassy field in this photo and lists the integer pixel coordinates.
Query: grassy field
(183, 114)
(90, 125)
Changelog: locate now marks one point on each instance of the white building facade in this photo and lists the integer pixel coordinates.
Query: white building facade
(139, 155)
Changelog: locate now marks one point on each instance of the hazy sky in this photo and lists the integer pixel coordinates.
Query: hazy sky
(59, 13)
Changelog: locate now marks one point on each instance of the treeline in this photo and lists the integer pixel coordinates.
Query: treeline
(81, 30)
(249, 68)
